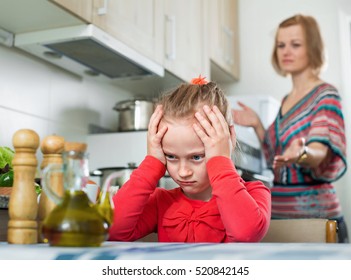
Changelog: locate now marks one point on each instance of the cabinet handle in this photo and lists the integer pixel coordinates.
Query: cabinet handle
(171, 38)
(103, 10)
(229, 51)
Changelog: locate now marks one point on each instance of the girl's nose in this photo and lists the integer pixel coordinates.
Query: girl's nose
(184, 170)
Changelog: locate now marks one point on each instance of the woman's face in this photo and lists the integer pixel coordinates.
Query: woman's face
(292, 49)
(185, 155)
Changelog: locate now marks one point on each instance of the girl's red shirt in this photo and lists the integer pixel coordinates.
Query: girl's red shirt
(239, 211)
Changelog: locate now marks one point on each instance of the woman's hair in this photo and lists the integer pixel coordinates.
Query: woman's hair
(187, 99)
(313, 40)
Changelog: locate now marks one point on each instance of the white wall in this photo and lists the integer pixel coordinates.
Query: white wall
(257, 24)
(42, 97)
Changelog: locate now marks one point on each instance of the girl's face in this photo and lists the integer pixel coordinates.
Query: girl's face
(185, 155)
(292, 49)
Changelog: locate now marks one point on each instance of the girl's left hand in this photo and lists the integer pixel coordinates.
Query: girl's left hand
(214, 133)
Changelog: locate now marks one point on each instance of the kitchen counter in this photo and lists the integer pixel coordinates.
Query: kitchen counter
(179, 251)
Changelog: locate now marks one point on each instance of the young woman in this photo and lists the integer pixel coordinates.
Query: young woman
(191, 136)
(305, 145)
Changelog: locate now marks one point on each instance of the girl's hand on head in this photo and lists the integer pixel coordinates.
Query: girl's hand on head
(155, 135)
(214, 132)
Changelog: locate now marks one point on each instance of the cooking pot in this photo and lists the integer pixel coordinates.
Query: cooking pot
(103, 173)
(134, 114)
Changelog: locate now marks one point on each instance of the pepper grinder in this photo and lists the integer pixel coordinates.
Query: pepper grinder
(23, 205)
(51, 147)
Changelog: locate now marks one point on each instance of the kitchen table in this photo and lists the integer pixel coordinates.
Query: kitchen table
(179, 251)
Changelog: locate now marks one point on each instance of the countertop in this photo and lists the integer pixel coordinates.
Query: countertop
(179, 251)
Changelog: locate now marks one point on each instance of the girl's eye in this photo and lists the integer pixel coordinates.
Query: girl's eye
(197, 157)
(295, 45)
(169, 157)
(280, 46)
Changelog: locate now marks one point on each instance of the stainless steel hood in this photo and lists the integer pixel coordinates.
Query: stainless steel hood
(88, 51)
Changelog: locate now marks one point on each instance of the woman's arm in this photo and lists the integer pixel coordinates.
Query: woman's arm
(248, 117)
(309, 156)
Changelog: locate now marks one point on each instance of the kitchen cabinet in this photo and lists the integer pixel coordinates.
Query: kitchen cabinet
(185, 46)
(169, 32)
(22, 16)
(223, 40)
(80, 8)
(136, 23)
(178, 35)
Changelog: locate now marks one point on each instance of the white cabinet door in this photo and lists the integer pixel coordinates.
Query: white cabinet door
(223, 39)
(137, 23)
(80, 8)
(185, 48)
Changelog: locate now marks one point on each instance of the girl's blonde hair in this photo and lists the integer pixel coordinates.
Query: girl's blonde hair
(187, 99)
(313, 39)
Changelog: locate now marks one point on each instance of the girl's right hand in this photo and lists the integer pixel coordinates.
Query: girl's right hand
(245, 116)
(155, 134)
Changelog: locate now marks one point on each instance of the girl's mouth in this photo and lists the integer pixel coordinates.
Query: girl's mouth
(186, 183)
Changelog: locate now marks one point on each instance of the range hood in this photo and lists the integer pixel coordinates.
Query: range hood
(87, 50)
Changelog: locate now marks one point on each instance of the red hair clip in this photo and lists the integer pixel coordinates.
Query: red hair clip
(199, 81)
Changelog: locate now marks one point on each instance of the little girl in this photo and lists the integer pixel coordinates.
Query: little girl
(191, 135)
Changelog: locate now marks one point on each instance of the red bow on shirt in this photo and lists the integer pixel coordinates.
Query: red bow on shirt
(184, 223)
